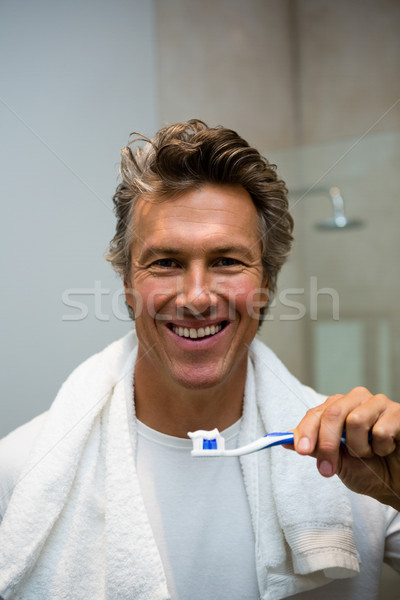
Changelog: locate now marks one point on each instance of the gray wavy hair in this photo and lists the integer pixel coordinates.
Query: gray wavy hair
(185, 156)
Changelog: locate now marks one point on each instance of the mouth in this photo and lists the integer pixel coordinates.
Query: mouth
(196, 333)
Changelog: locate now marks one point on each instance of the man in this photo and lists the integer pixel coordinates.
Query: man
(110, 503)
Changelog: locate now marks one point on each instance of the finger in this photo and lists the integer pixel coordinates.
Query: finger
(386, 430)
(306, 433)
(333, 421)
(361, 421)
(288, 447)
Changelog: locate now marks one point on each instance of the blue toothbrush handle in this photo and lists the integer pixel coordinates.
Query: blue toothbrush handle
(288, 438)
(285, 437)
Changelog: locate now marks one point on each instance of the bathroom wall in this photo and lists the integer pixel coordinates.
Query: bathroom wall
(349, 65)
(283, 72)
(228, 62)
(76, 79)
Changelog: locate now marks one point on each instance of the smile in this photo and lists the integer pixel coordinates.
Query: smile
(196, 333)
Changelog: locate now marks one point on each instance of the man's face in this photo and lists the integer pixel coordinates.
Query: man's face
(196, 284)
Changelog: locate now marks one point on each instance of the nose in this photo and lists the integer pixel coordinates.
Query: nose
(196, 296)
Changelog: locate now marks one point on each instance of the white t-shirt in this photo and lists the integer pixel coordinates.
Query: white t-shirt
(200, 516)
(203, 512)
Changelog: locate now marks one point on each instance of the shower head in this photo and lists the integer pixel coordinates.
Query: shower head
(338, 223)
(343, 223)
(339, 220)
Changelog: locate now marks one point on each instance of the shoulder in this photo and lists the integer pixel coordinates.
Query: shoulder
(14, 452)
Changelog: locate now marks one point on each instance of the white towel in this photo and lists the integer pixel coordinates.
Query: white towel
(302, 521)
(76, 526)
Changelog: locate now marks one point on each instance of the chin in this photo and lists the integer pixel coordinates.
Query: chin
(198, 380)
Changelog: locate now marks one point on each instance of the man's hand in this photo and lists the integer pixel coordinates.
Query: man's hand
(366, 468)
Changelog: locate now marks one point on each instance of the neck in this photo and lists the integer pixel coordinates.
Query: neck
(174, 410)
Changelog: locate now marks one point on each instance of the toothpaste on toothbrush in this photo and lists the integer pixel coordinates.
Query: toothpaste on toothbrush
(212, 443)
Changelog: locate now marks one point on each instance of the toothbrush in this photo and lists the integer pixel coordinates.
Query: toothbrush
(211, 443)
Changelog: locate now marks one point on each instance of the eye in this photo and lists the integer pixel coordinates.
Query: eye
(165, 263)
(226, 261)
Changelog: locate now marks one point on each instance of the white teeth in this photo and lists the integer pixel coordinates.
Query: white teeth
(196, 333)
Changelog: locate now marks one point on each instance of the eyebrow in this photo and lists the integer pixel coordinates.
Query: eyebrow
(233, 248)
(154, 251)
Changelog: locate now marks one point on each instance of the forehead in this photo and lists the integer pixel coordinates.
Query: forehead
(211, 210)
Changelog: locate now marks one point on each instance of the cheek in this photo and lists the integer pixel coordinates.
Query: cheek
(152, 295)
(246, 295)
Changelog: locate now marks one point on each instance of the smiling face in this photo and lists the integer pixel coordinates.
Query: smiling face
(196, 284)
